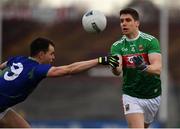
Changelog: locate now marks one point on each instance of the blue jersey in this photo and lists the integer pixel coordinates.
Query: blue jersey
(20, 77)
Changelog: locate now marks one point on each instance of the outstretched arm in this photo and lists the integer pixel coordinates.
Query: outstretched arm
(3, 65)
(72, 68)
(82, 66)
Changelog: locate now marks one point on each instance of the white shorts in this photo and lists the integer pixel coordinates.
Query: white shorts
(2, 114)
(147, 106)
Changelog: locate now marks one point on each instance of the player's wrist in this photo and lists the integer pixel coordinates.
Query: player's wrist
(103, 60)
(144, 67)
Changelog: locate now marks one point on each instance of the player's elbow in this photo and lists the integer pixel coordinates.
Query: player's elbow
(158, 72)
(66, 71)
(159, 69)
(155, 69)
(58, 71)
(70, 70)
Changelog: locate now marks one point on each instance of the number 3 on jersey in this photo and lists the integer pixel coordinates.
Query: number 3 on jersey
(14, 72)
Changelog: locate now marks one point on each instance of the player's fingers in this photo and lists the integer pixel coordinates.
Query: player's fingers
(114, 58)
(114, 64)
(114, 61)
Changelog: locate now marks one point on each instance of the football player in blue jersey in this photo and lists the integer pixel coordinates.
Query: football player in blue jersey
(20, 75)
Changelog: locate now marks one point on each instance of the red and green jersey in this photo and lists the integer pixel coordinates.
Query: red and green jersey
(136, 83)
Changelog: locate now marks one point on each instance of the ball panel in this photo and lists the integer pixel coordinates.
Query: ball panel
(94, 21)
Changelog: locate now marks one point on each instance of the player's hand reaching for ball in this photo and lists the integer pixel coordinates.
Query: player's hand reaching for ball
(113, 61)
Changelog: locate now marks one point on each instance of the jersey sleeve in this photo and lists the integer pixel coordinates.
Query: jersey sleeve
(153, 46)
(42, 70)
(115, 50)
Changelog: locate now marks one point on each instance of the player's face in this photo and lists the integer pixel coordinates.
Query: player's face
(128, 25)
(49, 57)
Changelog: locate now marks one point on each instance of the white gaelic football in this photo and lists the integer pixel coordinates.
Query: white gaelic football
(94, 21)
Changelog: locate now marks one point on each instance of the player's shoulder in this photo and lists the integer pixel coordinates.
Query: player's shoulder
(120, 41)
(16, 58)
(148, 37)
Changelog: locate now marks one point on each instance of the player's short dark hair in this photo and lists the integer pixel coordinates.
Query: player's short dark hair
(40, 44)
(130, 11)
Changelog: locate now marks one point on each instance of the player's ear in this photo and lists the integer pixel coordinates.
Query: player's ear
(137, 23)
(41, 54)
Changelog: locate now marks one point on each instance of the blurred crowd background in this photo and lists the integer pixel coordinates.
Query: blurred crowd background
(92, 98)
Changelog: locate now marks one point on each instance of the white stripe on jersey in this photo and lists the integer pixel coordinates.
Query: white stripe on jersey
(141, 34)
(119, 41)
(146, 36)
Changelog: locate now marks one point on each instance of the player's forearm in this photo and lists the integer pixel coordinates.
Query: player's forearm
(72, 68)
(154, 69)
(81, 66)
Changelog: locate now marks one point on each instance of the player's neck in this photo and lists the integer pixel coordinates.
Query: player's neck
(35, 59)
(133, 36)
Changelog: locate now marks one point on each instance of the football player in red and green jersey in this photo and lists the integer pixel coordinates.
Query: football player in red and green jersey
(140, 63)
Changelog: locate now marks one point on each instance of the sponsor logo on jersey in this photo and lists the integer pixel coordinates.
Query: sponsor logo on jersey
(128, 62)
(124, 49)
(129, 59)
(133, 49)
(141, 48)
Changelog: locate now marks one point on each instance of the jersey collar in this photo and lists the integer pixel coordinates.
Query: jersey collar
(133, 38)
(31, 58)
